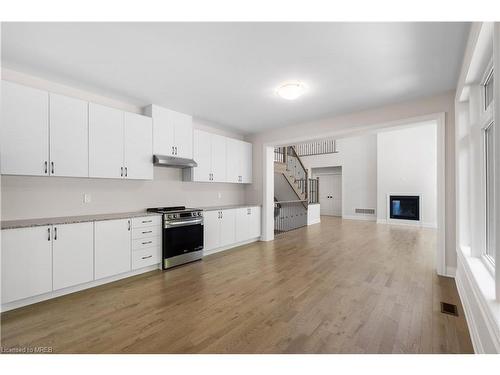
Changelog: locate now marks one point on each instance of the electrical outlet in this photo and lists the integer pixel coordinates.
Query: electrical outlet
(87, 198)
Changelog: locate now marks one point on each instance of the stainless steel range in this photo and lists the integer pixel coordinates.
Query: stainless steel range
(182, 235)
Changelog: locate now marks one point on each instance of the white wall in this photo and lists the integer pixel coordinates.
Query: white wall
(358, 158)
(407, 163)
(32, 197)
(354, 124)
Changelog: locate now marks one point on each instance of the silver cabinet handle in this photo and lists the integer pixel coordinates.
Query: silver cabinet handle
(173, 153)
(149, 256)
(176, 150)
(55, 233)
(148, 231)
(129, 225)
(147, 242)
(147, 221)
(121, 171)
(52, 167)
(46, 167)
(48, 230)
(126, 172)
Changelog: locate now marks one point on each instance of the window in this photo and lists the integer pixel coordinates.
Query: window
(489, 153)
(488, 90)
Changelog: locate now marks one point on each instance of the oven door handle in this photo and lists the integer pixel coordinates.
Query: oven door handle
(183, 223)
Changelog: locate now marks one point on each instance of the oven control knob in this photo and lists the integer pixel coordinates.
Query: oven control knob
(177, 216)
(169, 216)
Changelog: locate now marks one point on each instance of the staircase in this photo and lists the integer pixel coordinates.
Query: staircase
(293, 190)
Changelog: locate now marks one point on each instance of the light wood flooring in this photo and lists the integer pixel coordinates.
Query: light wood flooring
(341, 286)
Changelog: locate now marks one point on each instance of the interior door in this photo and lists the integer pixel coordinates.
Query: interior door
(105, 142)
(330, 194)
(69, 137)
(138, 135)
(24, 130)
(202, 156)
(336, 195)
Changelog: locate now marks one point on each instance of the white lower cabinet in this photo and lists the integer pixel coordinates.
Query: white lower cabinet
(224, 228)
(112, 241)
(73, 254)
(247, 223)
(26, 262)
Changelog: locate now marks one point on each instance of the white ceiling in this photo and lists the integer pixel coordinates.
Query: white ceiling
(227, 72)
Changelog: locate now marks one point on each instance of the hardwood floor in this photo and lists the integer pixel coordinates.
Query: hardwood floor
(341, 286)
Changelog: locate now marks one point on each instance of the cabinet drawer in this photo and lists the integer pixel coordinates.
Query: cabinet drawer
(145, 232)
(144, 243)
(146, 257)
(147, 221)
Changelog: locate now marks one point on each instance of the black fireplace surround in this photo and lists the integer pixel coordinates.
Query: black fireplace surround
(404, 207)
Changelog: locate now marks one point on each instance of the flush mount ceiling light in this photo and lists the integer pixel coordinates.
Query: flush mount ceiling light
(291, 90)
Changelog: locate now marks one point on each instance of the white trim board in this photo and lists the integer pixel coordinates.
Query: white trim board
(481, 313)
(76, 288)
(228, 247)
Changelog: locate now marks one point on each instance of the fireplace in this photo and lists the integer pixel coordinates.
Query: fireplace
(404, 207)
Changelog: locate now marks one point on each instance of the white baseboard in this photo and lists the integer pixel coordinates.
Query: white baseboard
(359, 217)
(224, 248)
(317, 221)
(76, 288)
(480, 310)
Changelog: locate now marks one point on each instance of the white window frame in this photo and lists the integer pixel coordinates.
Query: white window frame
(488, 260)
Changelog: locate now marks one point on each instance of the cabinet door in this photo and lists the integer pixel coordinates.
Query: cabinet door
(202, 156)
(254, 222)
(246, 162)
(233, 159)
(163, 130)
(69, 137)
(26, 262)
(138, 135)
(218, 157)
(227, 227)
(73, 254)
(24, 130)
(112, 247)
(211, 230)
(105, 141)
(183, 135)
(242, 221)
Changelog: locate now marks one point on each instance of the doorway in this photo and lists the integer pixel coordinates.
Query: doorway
(330, 192)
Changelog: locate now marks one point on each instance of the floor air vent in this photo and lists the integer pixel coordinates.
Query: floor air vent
(448, 308)
(370, 211)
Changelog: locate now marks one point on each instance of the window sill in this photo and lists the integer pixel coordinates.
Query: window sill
(483, 287)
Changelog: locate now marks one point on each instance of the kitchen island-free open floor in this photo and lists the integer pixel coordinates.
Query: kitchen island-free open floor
(341, 286)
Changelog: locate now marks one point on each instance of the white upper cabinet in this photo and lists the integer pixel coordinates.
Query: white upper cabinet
(239, 161)
(72, 254)
(172, 132)
(105, 142)
(26, 262)
(202, 155)
(210, 155)
(138, 156)
(69, 140)
(24, 130)
(218, 157)
(246, 163)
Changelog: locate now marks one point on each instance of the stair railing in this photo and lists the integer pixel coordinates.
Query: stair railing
(313, 190)
(296, 169)
(289, 215)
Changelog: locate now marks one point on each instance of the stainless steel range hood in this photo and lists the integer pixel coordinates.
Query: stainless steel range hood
(169, 161)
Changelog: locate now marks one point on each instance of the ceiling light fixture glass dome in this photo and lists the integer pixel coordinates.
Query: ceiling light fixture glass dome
(291, 90)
